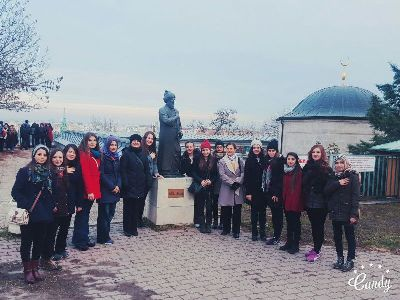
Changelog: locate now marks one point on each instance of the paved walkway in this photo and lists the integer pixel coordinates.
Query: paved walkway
(184, 264)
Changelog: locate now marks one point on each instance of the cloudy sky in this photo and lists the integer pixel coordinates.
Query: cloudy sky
(260, 57)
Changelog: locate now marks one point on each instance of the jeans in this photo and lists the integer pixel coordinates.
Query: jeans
(229, 215)
(277, 216)
(258, 214)
(56, 245)
(204, 199)
(317, 218)
(350, 237)
(106, 213)
(80, 236)
(293, 227)
(32, 237)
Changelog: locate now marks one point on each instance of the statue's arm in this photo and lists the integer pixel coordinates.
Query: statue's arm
(164, 118)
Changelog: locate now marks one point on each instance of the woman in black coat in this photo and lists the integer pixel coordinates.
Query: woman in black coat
(136, 182)
(253, 171)
(110, 184)
(32, 191)
(204, 172)
(343, 192)
(315, 175)
(272, 186)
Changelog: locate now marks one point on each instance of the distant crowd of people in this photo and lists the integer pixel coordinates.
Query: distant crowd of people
(29, 135)
(59, 183)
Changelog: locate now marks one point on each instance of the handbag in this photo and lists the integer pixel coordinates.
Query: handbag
(195, 187)
(20, 216)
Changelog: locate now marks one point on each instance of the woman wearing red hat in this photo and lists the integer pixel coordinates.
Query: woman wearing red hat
(205, 173)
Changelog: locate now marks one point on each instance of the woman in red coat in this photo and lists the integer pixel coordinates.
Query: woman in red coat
(292, 201)
(90, 156)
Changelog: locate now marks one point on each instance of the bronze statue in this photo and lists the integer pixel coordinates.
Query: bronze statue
(169, 149)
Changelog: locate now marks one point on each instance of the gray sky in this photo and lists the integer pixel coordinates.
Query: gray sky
(260, 57)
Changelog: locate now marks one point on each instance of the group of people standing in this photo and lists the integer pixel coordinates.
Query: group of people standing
(272, 180)
(56, 184)
(59, 183)
(28, 136)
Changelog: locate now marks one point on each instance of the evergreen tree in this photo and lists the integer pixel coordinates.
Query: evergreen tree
(384, 115)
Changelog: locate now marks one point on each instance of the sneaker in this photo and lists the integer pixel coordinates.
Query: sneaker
(197, 225)
(236, 236)
(254, 238)
(91, 244)
(339, 263)
(309, 252)
(273, 241)
(225, 232)
(109, 242)
(82, 248)
(263, 238)
(314, 256)
(293, 249)
(64, 254)
(57, 257)
(49, 265)
(348, 266)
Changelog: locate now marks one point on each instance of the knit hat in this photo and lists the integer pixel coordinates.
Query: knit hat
(135, 137)
(168, 96)
(205, 144)
(38, 147)
(219, 143)
(256, 142)
(347, 164)
(273, 144)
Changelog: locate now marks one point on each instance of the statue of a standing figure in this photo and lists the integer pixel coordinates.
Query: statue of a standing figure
(169, 149)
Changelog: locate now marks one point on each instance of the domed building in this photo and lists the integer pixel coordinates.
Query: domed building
(333, 115)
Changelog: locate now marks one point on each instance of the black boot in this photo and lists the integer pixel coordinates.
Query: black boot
(348, 265)
(339, 263)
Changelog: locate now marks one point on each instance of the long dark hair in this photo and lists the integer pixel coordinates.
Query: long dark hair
(83, 146)
(152, 147)
(296, 171)
(203, 164)
(252, 155)
(33, 162)
(71, 163)
(56, 170)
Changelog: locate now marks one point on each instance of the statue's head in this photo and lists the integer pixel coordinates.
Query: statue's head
(169, 99)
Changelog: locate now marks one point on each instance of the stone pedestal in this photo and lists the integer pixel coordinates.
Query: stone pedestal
(169, 202)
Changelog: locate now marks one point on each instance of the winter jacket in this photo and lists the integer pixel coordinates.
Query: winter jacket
(343, 200)
(25, 192)
(275, 166)
(314, 181)
(253, 172)
(227, 196)
(110, 177)
(187, 164)
(200, 174)
(135, 174)
(75, 188)
(217, 185)
(90, 174)
(63, 204)
(291, 191)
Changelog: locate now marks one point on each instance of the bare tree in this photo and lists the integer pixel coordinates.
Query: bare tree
(23, 85)
(197, 125)
(225, 119)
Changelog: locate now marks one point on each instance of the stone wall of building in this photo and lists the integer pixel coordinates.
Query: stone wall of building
(300, 135)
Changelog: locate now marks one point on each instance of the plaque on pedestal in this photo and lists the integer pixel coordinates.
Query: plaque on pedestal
(169, 202)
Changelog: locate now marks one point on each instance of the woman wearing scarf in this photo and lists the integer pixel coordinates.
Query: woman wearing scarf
(272, 186)
(315, 175)
(33, 182)
(231, 171)
(90, 158)
(343, 191)
(64, 209)
(110, 184)
(136, 182)
(253, 171)
(292, 202)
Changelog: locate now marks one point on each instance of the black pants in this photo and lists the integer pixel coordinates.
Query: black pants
(142, 204)
(56, 243)
(32, 238)
(215, 209)
(35, 140)
(293, 227)
(105, 215)
(277, 216)
(130, 214)
(25, 143)
(350, 237)
(204, 200)
(1, 144)
(196, 211)
(258, 214)
(231, 217)
(317, 218)
(80, 236)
